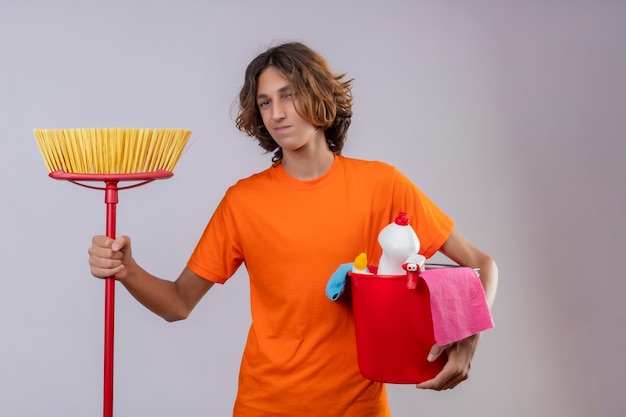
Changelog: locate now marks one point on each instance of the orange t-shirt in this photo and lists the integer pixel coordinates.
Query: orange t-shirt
(300, 356)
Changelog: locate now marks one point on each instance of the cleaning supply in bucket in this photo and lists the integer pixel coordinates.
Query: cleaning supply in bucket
(399, 243)
(337, 283)
(338, 280)
(457, 302)
(403, 306)
(360, 264)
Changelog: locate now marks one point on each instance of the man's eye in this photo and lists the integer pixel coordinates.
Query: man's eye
(264, 103)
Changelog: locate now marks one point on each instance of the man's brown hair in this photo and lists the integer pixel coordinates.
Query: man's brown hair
(324, 99)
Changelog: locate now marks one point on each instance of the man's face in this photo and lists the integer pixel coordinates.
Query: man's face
(277, 104)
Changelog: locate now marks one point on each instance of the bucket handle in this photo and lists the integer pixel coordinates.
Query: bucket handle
(413, 272)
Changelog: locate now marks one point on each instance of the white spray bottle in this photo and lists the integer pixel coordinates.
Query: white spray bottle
(400, 245)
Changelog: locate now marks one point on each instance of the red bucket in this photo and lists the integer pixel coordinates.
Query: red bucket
(394, 328)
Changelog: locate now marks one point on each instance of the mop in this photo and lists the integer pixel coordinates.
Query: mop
(84, 156)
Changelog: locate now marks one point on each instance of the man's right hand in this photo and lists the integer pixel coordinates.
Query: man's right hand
(108, 257)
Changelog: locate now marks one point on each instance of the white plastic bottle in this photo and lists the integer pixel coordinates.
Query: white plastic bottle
(399, 242)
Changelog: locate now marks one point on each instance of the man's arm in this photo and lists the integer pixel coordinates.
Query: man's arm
(460, 354)
(463, 252)
(170, 300)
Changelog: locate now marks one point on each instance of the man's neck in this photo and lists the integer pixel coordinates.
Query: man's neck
(305, 165)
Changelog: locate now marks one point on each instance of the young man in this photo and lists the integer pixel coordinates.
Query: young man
(292, 225)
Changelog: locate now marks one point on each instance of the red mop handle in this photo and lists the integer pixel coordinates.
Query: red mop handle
(110, 200)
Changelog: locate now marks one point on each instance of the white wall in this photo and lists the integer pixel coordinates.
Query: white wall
(510, 115)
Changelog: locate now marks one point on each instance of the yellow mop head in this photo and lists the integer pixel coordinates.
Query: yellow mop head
(111, 150)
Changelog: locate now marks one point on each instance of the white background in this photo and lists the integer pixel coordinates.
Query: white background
(510, 115)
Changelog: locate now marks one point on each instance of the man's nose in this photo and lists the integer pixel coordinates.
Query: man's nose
(278, 110)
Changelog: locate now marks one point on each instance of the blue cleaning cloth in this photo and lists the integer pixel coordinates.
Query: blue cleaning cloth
(337, 282)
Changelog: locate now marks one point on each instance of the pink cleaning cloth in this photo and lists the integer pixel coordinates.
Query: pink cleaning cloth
(458, 303)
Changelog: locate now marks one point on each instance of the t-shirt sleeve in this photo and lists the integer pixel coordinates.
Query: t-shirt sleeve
(431, 224)
(218, 254)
